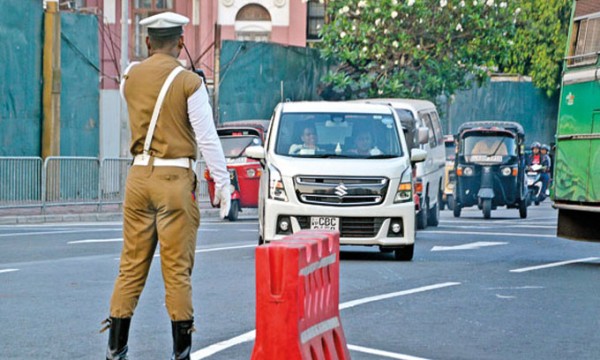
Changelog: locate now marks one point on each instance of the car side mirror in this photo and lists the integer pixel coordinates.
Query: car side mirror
(423, 135)
(418, 155)
(255, 152)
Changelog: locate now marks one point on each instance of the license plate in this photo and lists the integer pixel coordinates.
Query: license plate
(324, 223)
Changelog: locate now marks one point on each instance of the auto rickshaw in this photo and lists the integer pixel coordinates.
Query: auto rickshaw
(244, 172)
(450, 178)
(490, 167)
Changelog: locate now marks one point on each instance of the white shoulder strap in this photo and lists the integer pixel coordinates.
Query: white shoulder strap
(124, 78)
(158, 105)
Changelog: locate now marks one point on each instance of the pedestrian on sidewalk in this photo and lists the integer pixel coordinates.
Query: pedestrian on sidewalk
(170, 117)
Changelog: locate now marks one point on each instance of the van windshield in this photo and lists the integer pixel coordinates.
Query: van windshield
(338, 135)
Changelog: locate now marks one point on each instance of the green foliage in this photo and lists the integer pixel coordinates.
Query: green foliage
(425, 48)
(539, 42)
(413, 48)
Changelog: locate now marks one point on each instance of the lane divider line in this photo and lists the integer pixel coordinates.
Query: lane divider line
(250, 335)
(560, 263)
(8, 270)
(382, 353)
(90, 241)
(486, 233)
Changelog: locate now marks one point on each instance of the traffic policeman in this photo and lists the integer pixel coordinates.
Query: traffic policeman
(170, 118)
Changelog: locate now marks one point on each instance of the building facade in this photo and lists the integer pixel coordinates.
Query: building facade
(286, 22)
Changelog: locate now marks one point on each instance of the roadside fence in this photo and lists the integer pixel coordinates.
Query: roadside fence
(66, 180)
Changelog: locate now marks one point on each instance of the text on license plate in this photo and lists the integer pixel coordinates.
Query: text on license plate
(324, 223)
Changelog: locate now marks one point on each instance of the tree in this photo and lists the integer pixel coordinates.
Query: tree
(539, 42)
(426, 48)
(413, 48)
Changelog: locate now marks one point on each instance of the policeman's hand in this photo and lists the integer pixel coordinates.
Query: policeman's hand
(225, 204)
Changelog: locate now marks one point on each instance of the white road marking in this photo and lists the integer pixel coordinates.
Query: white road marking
(225, 248)
(220, 346)
(89, 241)
(485, 233)
(369, 299)
(560, 263)
(55, 232)
(382, 353)
(525, 226)
(8, 270)
(250, 335)
(505, 296)
(470, 246)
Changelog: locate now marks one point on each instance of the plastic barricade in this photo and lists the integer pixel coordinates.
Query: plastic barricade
(297, 299)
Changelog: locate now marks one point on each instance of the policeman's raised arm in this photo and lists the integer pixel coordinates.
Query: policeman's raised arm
(200, 113)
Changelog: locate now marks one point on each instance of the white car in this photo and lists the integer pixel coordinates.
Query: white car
(338, 166)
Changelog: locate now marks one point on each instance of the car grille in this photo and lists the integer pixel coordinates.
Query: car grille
(351, 227)
(341, 191)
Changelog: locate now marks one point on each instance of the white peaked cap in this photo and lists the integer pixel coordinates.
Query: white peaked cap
(165, 24)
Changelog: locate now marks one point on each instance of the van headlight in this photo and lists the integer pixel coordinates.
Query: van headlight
(404, 192)
(506, 171)
(276, 189)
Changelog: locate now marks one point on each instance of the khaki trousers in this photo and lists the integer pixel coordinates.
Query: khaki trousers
(160, 207)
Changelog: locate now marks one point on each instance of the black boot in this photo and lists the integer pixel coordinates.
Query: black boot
(117, 338)
(182, 339)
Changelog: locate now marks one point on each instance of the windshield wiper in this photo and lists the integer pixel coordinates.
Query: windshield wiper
(498, 147)
(382, 156)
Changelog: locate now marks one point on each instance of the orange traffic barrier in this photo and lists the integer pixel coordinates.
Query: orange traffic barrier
(297, 299)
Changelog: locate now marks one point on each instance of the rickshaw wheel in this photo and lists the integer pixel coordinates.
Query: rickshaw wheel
(456, 208)
(450, 201)
(487, 208)
(523, 209)
(234, 210)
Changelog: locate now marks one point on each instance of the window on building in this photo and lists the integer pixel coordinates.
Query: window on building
(141, 10)
(253, 23)
(585, 43)
(315, 19)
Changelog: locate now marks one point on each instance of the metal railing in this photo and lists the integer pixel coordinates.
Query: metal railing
(65, 180)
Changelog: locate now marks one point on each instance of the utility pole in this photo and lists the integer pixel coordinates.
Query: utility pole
(124, 132)
(216, 74)
(52, 81)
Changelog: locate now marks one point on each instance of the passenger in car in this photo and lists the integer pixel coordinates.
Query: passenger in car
(363, 145)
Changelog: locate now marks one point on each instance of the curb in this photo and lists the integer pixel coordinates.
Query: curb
(92, 217)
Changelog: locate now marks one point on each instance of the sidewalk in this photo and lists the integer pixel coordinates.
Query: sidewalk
(82, 213)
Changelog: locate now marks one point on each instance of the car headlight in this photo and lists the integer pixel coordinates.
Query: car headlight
(276, 189)
(506, 171)
(468, 171)
(404, 192)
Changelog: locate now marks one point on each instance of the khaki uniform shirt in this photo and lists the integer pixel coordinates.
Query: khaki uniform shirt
(174, 136)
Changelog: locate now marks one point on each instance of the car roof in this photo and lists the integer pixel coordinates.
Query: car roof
(335, 106)
(410, 104)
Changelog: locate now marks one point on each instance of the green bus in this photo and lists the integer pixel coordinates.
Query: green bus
(576, 186)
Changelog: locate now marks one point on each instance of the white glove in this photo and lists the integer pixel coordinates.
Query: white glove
(223, 199)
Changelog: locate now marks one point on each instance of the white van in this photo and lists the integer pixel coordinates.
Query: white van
(415, 114)
(338, 166)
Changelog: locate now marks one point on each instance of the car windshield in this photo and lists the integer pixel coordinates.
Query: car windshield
(234, 146)
(341, 135)
(486, 146)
